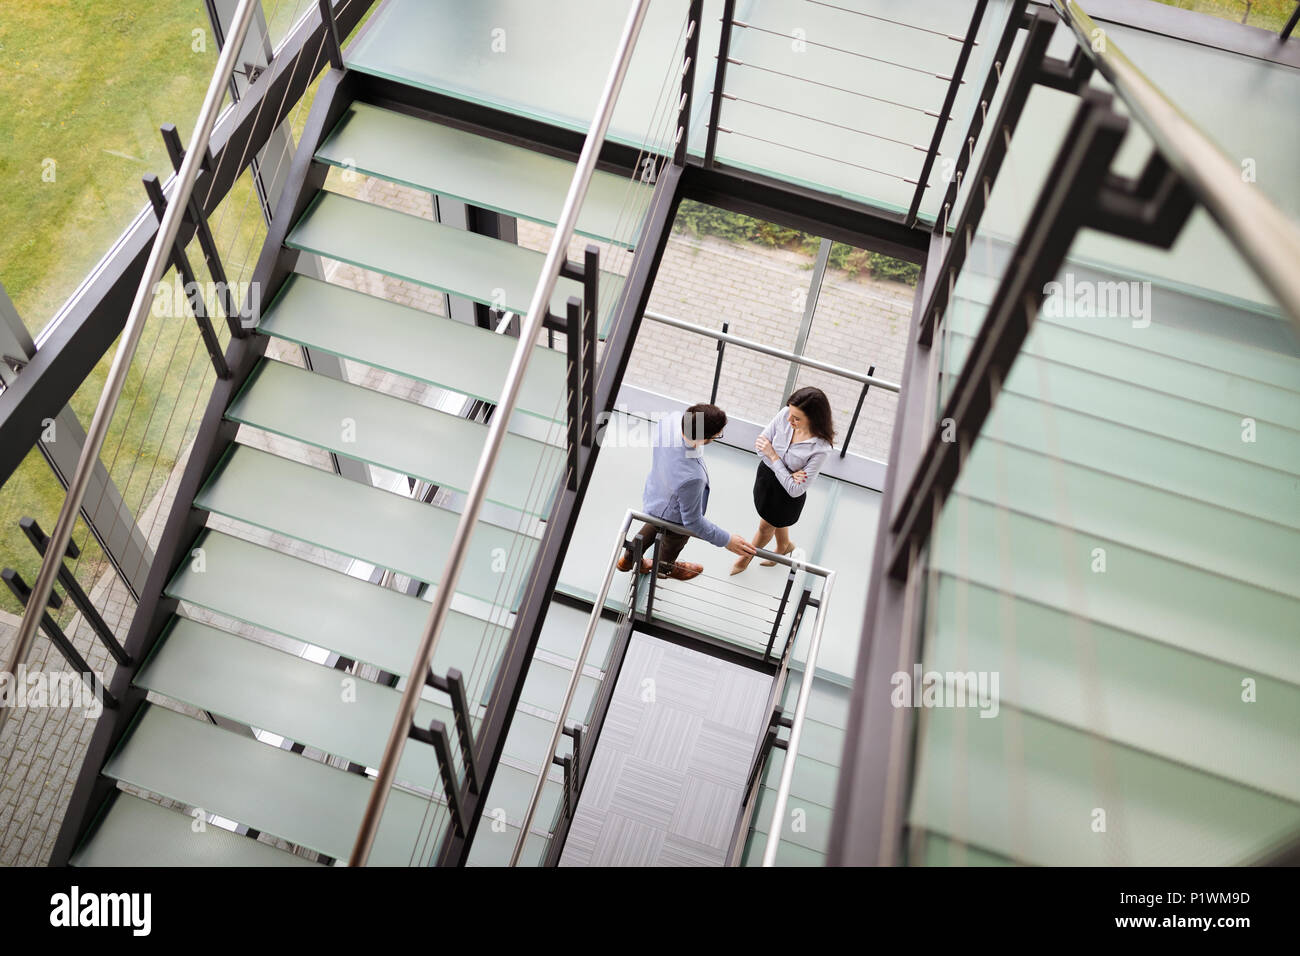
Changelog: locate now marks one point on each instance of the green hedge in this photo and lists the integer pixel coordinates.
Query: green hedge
(701, 220)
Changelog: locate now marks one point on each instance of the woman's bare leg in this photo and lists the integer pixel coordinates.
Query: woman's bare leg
(760, 540)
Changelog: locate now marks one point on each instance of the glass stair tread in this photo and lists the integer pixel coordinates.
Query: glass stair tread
(1138, 692)
(402, 436)
(938, 850)
(1147, 593)
(1038, 806)
(260, 686)
(325, 608)
(493, 845)
(1171, 342)
(278, 792)
(807, 824)
(828, 703)
(377, 526)
(416, 344)
(1062, 346)
(787, 853)
(1146, 457)
(1130, 403)
(813, 782)
(1141, 516)
(136, 832)
(491, 271)
(478, 170)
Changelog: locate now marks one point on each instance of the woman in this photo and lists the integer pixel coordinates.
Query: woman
(792, 450)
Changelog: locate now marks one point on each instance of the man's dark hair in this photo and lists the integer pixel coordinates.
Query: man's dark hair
(703, 421)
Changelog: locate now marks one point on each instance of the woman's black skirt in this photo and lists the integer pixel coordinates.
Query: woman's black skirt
(773, 504)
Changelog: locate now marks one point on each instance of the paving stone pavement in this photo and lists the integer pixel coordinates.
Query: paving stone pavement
(702, 279)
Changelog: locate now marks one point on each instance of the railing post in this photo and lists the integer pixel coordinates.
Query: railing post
(590, 316)
(79, 597)
(780, 611)
(719, 81)
(18, 587)
(192, 291)
(693, 29)
(211, 255)
(853, 422)
(717, 368)
(453, 685)
(573, 331)
(331, 34)
(946, 110)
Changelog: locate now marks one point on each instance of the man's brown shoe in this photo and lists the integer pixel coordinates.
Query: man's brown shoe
(625, 563)
(681, 571)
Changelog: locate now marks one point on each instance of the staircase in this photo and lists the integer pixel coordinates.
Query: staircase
(1124, 685)
(245, 720)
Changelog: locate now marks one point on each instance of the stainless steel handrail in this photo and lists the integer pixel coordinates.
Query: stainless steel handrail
(1265, 237)
(769, 350)
(156, 265)
(581, 659)
(796, 724)
(537, 309)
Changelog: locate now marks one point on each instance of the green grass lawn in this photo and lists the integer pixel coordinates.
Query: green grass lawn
(1266, 14)
(87, 84)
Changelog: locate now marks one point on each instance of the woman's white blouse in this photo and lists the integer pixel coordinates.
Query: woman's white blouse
(808, 455)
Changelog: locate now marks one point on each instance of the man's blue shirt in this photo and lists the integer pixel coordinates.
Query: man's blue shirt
(677, 488)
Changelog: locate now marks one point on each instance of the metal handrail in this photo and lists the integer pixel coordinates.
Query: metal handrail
(159, 259)
(538, 307)
(1265, 237)
(592, 622)
(770, 350)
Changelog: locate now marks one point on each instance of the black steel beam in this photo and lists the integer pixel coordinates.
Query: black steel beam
(559, 527)
(214, 436)
(814, 213)
(1077, 176)
(97, 312)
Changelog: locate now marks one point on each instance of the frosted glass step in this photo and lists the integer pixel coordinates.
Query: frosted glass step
(787, 853)
(136, 832)
(806, 824)
(1135, 691)
(1038, 807)
(493, 845)
(496, 273)
(479, 170)
(1142, 516)
(401, 436)
(937, 850)
(328, 609)
(813, 782)
(1105, 357)
(309, 703)
(1196, 610)
(426, 347)
(363, 522)
(263, 787)
(1146, 457)
(1214, 429)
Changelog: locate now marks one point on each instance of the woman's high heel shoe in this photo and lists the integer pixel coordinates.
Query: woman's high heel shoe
(741, 564)
(768, 564)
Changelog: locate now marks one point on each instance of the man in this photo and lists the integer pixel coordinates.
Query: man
(677, 490)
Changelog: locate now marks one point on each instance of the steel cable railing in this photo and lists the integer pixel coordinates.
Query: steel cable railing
(159, 258)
